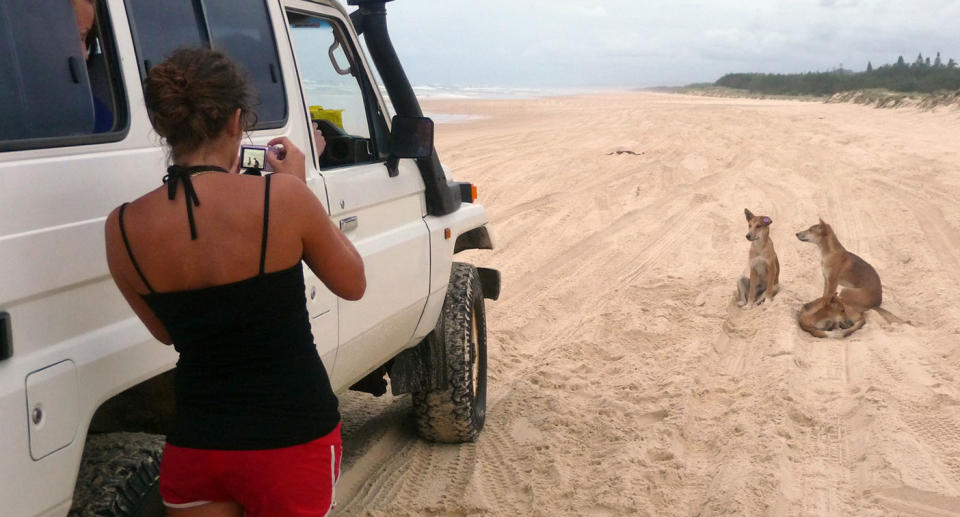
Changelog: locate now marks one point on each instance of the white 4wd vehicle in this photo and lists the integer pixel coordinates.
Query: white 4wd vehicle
(85, 392)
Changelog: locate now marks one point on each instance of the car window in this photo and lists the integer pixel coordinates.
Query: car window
(239, 28)
(56, 88)
(332, 88)
(159, 28)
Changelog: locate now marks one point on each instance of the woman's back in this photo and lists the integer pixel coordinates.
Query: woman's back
(247, 356)
(229, 223)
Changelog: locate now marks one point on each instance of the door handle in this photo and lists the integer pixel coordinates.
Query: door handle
(349, 224)
(6, 336)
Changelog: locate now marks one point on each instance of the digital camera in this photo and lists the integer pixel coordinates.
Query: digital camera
(255, 156)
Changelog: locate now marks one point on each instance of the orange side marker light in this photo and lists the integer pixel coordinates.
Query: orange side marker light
(446, 233)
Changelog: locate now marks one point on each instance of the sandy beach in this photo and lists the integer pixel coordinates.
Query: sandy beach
(623, 378)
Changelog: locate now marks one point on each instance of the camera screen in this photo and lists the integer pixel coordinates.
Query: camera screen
(254, 158)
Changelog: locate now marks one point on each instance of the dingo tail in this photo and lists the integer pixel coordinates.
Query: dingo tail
(891, 317)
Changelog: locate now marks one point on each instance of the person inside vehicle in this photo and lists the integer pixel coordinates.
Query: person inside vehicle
(85, 11)
(257, 427)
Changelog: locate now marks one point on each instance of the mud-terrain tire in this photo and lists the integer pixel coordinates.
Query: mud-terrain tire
(456, 414)
(119, 476)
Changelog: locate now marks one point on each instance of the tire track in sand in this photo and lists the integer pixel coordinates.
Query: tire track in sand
(816, 428)
(938, 234)
(691, 216)
(397, 481)
(935, 426)
(397, 475)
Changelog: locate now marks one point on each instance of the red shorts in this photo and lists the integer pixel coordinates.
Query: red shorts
(292, 481)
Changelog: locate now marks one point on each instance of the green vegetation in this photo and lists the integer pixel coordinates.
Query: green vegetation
(919, 77)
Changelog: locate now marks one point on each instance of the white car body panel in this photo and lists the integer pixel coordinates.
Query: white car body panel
(392, 239)
(468, 217)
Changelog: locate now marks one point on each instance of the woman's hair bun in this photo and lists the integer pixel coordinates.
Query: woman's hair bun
(192, 95)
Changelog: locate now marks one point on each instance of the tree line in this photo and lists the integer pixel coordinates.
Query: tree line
(921, 75)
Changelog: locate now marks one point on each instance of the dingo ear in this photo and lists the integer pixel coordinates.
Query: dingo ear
(821, 221)
(748, 213)
(767, 221)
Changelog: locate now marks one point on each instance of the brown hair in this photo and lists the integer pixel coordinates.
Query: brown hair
(192, 95)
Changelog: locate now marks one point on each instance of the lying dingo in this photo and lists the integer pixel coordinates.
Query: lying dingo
(861, 283)
(760, 281)
(828, 318)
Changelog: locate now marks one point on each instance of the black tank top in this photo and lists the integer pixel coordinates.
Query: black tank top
(249, 375)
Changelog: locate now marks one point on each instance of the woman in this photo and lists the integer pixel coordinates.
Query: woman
(210, 262)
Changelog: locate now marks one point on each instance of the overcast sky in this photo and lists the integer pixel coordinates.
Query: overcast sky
(616, 43)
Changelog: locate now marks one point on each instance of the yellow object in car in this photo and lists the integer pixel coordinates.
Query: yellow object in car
(334, 116)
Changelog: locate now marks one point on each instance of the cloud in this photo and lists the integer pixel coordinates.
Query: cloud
(595, 11)
(566, 42)
(839, 3)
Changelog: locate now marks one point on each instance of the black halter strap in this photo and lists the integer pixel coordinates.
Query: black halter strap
(176, 175)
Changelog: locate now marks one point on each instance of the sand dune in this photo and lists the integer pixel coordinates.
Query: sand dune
(623, 378)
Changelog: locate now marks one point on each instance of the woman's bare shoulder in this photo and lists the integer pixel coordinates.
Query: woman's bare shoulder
(292, 194)
(289, 184)
(291, 198)
(138, 203)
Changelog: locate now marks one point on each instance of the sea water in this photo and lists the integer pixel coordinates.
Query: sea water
(346, 97)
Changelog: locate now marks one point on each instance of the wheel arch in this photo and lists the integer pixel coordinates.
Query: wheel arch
(478, 238)
(146, 407)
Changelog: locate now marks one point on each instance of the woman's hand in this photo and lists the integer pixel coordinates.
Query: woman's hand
(290, 160)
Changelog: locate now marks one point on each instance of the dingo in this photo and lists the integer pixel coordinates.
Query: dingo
(760, 281)
(828, 318)
(861, 283)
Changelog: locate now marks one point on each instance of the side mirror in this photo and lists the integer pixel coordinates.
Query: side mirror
(411, 137)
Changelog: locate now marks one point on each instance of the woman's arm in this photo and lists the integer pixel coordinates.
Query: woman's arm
(122, 271)
(330, 254)
(326, 250)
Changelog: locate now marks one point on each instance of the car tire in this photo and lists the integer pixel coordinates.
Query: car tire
(456, 414)
(119, 476)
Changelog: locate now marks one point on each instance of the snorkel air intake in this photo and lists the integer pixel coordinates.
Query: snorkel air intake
(370, 20)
